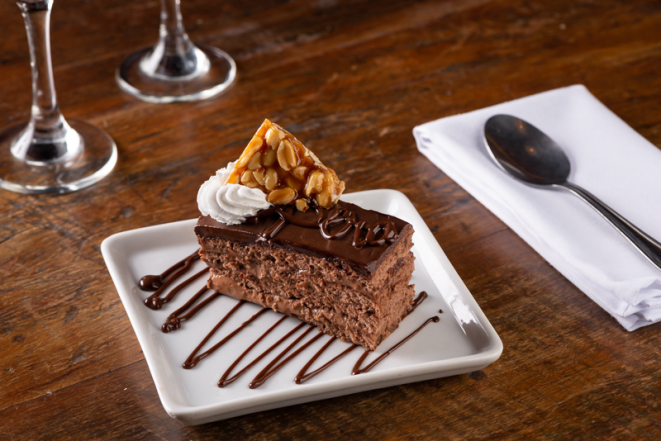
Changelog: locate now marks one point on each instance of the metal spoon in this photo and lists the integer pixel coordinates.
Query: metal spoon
(526, 153)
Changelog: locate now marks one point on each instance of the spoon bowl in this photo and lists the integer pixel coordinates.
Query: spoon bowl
(525, 152)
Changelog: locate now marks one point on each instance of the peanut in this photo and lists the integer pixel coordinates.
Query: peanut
(287, 155)
(324, 199)
(273, 137)
(269, 158)
(302, 205)
(246, 177)
(315, 183)
(254, 162)
(271, 179)
(253, 147)
(259, 176)
(282, 196)
(299, 172)
(292, 182)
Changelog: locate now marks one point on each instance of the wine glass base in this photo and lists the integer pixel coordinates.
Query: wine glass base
(97, 159)
(134, 81)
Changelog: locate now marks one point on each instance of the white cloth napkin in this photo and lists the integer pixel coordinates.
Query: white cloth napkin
(608, 158)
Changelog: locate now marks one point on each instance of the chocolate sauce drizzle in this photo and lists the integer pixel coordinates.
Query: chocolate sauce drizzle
(224, 381)
(302, 377)
(173, 322)
(356, 368)
(194, 359)
(365, 234)
(416, 302)
(152, 283)
(160, 282)
(269, 370)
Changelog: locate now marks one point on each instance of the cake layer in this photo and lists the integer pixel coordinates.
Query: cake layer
(297, 275)
(345, 270)
(359, 327)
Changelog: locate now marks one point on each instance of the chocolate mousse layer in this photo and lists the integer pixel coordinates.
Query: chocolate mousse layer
(345, 270)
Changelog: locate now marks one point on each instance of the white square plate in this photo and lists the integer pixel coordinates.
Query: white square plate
(462, 341)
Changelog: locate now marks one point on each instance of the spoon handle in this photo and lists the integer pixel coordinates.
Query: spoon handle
(645, 244)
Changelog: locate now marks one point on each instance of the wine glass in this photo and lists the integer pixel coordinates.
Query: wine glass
(175, 70)
(49, 154)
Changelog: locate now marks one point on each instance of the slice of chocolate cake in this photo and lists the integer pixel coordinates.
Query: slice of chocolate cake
(326, 262)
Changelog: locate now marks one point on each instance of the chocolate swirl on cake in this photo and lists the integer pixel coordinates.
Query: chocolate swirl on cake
(365, 234)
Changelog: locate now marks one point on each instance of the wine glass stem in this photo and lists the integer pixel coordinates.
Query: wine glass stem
(175, 57)
(172, 29)
(45, 115)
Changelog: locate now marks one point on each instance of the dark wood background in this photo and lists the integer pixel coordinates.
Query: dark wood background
(351, 79)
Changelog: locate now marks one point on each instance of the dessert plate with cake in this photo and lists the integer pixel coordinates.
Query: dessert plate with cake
(286, 290)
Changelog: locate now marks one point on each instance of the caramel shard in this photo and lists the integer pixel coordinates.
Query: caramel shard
(282, 167)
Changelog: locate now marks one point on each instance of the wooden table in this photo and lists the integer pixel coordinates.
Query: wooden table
(351, 79)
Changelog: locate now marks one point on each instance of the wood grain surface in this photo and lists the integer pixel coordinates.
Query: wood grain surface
(351, 79)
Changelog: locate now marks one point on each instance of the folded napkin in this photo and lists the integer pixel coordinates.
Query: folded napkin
(608, 158)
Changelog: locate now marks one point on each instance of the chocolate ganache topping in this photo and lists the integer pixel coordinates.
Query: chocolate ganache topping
(343, 232)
